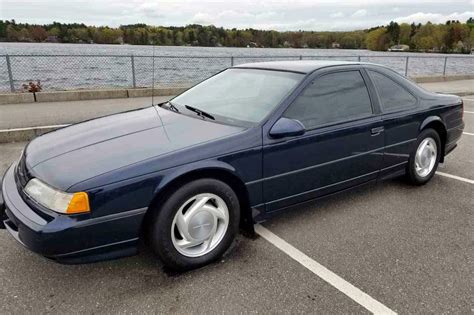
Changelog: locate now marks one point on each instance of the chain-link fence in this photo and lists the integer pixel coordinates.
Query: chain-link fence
(68, 72)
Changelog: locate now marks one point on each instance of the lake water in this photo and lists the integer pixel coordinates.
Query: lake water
(104, 66)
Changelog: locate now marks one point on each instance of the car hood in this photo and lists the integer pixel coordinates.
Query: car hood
(76, 153)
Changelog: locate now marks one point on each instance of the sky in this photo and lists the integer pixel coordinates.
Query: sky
(281, 15)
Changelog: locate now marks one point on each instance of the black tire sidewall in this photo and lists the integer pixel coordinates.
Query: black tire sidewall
(160, 232)
(412, 175)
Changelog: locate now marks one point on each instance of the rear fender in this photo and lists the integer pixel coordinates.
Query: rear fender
(431, 119)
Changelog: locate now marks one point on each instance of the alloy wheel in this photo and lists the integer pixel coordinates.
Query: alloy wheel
(425, 157)
(200, 225)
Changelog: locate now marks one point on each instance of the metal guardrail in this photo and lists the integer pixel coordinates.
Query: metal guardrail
(66, 72)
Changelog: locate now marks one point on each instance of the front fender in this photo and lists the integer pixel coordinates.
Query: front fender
(215, 169)
(201, 166)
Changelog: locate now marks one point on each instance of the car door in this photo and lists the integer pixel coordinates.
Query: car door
(341, 147)
(401, 119)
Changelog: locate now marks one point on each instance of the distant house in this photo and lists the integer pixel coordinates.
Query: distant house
(335, 45)
(52, 39)
(399, 48)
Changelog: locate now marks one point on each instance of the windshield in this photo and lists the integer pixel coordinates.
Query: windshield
(239, 96)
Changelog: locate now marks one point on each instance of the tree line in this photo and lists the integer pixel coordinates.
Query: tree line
(453, 36)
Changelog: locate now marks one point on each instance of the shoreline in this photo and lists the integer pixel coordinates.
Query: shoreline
(392, 53)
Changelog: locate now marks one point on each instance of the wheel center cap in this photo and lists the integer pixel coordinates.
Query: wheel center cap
(201, 225)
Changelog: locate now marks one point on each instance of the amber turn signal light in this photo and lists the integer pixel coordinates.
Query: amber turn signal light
(79, 203)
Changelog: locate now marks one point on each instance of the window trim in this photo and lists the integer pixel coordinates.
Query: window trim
(383, 109)
(342, 121)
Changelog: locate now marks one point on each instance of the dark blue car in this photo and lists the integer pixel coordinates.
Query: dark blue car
(255, 139)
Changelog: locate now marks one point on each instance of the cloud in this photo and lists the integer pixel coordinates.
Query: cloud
(317, 15)
(337, 15)
(202, 18)
(147, 9)
(421, 17)
(271, 15)
(235, 17)
(359, 13)
(314, 24)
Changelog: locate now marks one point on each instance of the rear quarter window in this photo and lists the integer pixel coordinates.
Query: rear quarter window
(392, 95)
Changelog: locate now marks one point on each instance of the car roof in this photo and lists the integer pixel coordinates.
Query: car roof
(302, 66)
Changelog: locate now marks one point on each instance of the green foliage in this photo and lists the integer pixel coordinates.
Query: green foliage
(452, 36)
(405, 34)
(377, 39)
(393, 30)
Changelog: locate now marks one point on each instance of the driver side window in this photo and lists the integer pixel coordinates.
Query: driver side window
(332, 98)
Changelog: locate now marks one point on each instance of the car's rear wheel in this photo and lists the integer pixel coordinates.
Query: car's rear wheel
(425, 158)
(195, 225)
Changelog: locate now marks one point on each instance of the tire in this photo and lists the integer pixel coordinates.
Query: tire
(215, 201)
(3, 214)
(421, 172)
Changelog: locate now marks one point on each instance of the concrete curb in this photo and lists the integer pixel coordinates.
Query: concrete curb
(86, 95)
(461, 94)
(156, 92)
(442, 78)
(79, 95)
(25, 134)
(16, 98)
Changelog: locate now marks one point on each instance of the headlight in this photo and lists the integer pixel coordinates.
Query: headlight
(57, 200)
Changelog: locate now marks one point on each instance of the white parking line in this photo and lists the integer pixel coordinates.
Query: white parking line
(466, 112)
(466, 180)
(342, 285)
(468, 133)
(468, 99)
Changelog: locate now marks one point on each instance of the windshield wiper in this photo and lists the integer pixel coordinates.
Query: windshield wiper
(199, 112)
(170, 106)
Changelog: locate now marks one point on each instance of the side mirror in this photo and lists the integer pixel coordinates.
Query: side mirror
(286, 127)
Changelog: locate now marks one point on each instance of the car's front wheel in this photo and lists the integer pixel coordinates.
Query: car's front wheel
(195, 225)
(425, 158)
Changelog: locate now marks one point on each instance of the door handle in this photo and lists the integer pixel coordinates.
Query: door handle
(377, 130)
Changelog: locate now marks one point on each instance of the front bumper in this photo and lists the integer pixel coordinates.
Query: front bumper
(69, 239)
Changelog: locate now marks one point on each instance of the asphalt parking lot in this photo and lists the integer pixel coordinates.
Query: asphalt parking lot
(408, 248)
